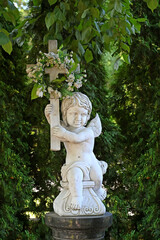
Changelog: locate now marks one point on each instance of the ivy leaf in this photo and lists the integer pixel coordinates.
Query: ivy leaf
(152, 4)
(7, 47)
(49, 19)
(51, 2)
(4, 39)
(88, 55)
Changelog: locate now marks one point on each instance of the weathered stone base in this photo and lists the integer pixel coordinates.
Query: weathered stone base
(91, 204)
(79, 228)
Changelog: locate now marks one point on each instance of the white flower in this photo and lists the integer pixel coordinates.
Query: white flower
(70, 84)
(39, 92)
(71, 60)
(71, 78)
(66, 60)
(28, 70)
(31, 75)
(47, 55)
(39, 64)
(70, 89)
(78, 84)
(53, 55)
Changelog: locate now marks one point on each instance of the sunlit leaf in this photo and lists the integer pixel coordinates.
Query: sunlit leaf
(34, 90)
(7, 47)
(51, 2)
(152, 4)
(49, 19)
(88, 56)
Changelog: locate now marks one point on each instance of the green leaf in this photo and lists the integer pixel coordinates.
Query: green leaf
(125, 47)
(97, 27)
(4, 39)
(80, 49)
(88, 55)
(51, 2)
(37, 2)
(126, 58)
(118, 6)
(85, 13)
(49, 19)
(9, 17)
(7, 47)
(152, 4)
(86, 33)
(95, 12)
(12, 9)
(141, 19)
(59, 14)
(34, 90)
(78, 35)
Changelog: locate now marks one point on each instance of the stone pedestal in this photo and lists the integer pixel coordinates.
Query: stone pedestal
(80, 227)
(91, 204)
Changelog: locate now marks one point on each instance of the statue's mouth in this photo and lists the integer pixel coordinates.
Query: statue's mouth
(77, 123)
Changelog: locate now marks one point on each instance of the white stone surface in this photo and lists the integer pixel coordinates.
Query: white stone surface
(82, 174)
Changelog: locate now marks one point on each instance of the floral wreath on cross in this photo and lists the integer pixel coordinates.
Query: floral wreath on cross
(63, 85)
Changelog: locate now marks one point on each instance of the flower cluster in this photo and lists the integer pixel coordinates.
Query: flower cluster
(71, 80)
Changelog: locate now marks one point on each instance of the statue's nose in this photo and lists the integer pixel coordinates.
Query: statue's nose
(78, 117)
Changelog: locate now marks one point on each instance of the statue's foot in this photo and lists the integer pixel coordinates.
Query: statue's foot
(76, 203)
(101, 193)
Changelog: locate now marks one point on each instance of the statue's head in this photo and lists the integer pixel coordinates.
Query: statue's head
(77, 99)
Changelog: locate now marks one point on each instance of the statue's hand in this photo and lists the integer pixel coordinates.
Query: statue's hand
(48, 110)
(58, 131)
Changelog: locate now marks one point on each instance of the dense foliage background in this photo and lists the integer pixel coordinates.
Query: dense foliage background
(127, 100)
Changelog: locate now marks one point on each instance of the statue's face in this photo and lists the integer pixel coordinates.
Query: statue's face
(77, 116)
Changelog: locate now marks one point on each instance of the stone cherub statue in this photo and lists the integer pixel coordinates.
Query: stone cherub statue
(82, 174)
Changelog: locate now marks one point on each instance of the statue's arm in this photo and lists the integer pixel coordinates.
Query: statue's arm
(68, 136)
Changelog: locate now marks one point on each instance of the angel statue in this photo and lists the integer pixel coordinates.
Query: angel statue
(82, 174)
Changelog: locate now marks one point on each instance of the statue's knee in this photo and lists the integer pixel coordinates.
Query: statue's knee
(75, 174)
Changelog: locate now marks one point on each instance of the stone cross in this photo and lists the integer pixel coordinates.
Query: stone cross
(54, 98)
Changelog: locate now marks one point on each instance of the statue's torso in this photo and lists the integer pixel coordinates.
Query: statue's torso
(82, 151)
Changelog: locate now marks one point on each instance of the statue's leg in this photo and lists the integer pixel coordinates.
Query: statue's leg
(96, 175)
(75, 178)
